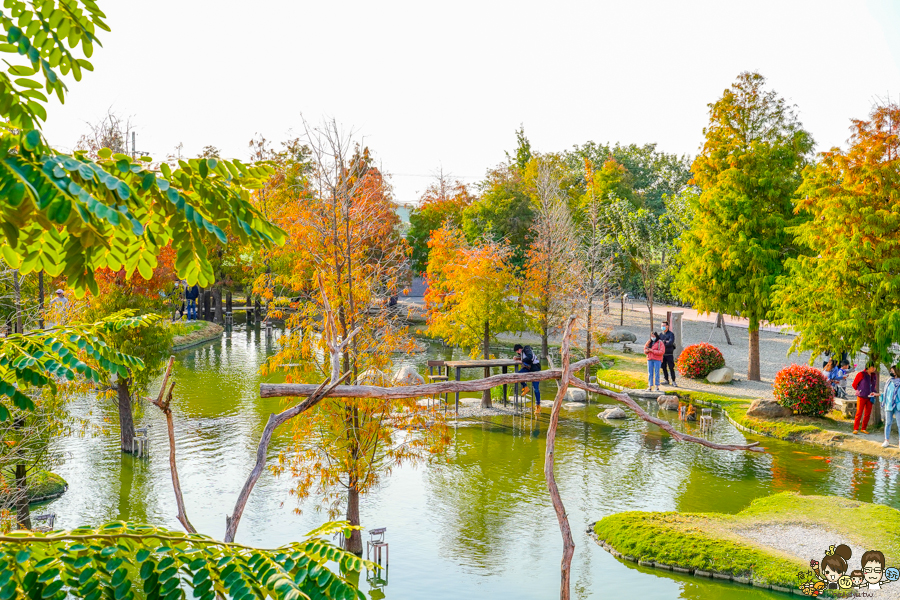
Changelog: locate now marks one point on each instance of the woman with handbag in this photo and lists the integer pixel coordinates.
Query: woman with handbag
(654, 349)
(866, 385)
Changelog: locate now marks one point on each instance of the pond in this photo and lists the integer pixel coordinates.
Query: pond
(477, 523)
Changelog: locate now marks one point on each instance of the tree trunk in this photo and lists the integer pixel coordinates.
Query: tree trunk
(649, 290)
(606, 300)
(753, 358)
(41, 299)
(217, 297)
(545, 348)
(23, 515)
(126, 420)
(486, 394)
(587, 350)
(16, 286)
(354, 544)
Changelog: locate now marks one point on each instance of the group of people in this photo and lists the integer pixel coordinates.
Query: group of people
(865, 386)
(189, 303)
(660, 351)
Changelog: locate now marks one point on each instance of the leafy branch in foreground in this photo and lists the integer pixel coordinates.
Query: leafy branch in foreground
(69, 214)
(41, 358)
(120, 560)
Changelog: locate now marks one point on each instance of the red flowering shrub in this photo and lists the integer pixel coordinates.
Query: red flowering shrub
(804, 390)
(698, 360)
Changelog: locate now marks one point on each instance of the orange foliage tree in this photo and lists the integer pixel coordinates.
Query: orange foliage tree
(343, 230)
(472, 293)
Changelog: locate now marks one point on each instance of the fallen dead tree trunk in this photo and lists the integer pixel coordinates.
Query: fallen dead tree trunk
(278, 390)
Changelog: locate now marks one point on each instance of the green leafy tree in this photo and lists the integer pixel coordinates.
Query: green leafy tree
(443, 202)
(68, 214)
(748, 172)
(646, 240)
(74, 216)
(653, 175)
(124, 560)
(840, 293)
(504, 211)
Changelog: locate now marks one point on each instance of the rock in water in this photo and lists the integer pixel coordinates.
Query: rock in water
(407, 375)
(372, 376)
(768, 408)
(723, 375)
(668, 402)
(576, 395)
(613, 413)
(621, 335)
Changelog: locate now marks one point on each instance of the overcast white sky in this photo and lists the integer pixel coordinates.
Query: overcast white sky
(445, 84)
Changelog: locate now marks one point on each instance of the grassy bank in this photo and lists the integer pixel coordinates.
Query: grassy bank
(191, 333)
(831, 430)
(711, 543)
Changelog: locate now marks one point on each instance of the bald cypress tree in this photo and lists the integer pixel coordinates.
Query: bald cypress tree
(748, 171)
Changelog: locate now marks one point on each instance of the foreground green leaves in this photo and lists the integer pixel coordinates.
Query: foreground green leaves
(123, 560)
(70, 215)
(41, 358)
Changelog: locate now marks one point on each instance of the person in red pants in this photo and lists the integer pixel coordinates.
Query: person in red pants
(866, 385)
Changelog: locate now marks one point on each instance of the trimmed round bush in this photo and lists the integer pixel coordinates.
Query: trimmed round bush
(698, 360)
(804, 390)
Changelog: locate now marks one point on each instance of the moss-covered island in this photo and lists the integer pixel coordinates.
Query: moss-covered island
(42, 485)
(727, 546)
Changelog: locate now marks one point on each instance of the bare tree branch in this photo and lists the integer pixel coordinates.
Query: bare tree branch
(170, 426)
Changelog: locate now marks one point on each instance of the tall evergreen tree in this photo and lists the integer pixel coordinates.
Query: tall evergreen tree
(748, 172)
(842, 290)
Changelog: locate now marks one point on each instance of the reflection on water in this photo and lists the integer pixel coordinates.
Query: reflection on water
(475, 523)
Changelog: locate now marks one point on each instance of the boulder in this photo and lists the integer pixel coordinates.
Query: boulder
(668, 402)
(576, 395)
(723, 375)
(767, 408)
(621, 335)
(612, 413)
(372, 376)
(407, 375)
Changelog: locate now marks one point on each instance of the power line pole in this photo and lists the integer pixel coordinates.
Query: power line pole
(134, 151)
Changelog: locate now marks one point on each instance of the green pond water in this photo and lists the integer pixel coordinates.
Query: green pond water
(478, 524)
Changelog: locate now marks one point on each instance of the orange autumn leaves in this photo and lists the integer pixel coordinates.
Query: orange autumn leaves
(343, 228)
(472, 291)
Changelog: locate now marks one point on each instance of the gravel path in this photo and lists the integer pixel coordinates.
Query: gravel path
(773, 347)
(807, 543)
